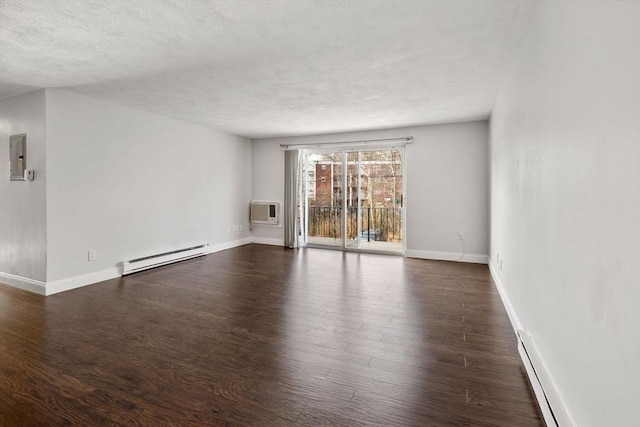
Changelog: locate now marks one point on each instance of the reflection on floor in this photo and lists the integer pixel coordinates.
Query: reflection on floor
(363, 244)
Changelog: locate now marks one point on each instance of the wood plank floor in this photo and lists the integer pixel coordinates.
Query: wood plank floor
(265, 336)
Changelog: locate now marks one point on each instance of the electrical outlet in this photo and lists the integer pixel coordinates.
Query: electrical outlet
(91, 255)
(460, 235)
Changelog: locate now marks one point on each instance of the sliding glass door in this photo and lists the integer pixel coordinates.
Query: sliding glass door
(354, 199)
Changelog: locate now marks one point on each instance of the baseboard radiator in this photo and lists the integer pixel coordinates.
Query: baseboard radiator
(528, 356)
(152, 261)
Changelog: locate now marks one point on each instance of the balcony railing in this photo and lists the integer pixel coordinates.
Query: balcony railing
(381, 223)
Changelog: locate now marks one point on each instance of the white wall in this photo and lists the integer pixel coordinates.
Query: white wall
(23, 204)
(565, 208)
(128, 184)
(447, 185)
(267, 183)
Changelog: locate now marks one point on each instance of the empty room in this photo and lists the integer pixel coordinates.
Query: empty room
(320, 213)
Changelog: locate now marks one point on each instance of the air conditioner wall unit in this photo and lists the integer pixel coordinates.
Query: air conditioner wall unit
(263, 212)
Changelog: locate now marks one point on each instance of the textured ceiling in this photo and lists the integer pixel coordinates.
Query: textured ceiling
(269, 68)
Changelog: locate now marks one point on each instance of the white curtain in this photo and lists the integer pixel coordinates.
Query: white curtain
(291, 162)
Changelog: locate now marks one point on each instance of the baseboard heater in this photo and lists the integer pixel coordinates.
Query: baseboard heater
(527, 355)
(152, 261)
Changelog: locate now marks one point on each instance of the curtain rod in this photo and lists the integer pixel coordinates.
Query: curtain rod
(364, 142)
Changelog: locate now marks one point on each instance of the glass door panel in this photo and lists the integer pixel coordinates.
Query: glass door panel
(382, 200)
(324, 199)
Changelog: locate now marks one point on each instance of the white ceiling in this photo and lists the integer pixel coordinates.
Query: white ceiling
(269, 68)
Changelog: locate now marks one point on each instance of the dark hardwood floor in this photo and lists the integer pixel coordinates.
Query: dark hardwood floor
(266, 336)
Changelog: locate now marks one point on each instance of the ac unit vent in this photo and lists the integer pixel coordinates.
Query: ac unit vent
(265, 212)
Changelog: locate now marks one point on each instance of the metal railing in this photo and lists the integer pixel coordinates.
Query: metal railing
(381, 223)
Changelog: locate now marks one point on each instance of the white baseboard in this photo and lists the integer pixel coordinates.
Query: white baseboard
(447, 256)
(35, 286)
(551, 404)
(79, 281)
(229, 245)
(506, 302)
(268, 241)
